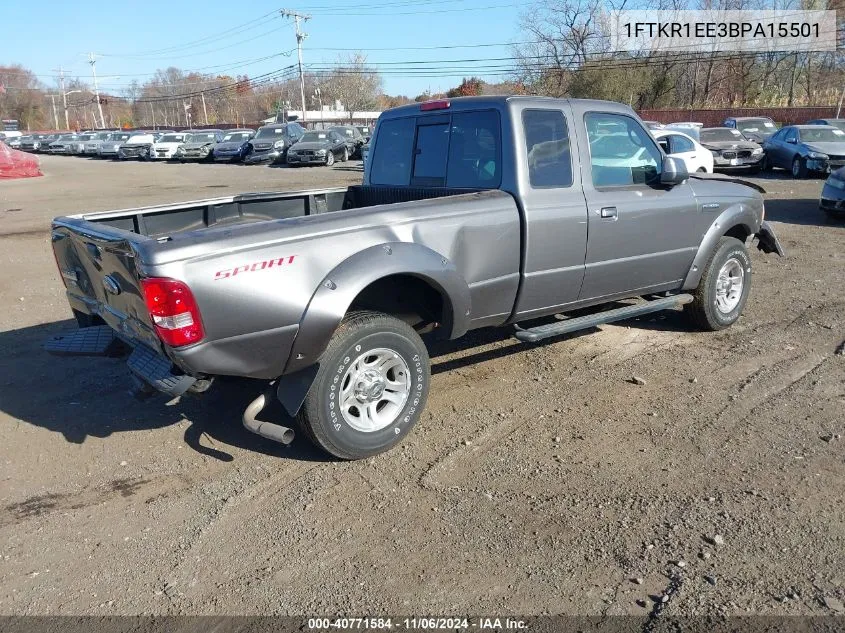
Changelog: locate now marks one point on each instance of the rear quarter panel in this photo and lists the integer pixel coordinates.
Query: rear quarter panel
(254, 282)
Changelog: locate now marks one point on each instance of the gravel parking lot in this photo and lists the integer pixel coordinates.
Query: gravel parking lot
(539, 480)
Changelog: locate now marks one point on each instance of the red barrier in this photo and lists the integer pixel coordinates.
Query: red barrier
(15, 164)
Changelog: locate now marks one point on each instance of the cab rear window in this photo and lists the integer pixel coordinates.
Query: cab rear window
(461, 150)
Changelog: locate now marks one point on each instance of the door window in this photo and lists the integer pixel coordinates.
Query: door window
(390, 164)
(547, 142)
(431, 150)
(681, 144)
(622, 153)
(791, 135)
(474, 150)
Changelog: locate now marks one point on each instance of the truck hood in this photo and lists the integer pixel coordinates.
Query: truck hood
(720, 145)
(836, 148)
(720, 185)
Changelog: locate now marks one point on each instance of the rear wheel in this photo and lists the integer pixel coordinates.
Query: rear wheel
(370, 389)
(723, 290)
(799, 167)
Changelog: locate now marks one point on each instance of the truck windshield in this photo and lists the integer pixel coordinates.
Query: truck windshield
(461, 150)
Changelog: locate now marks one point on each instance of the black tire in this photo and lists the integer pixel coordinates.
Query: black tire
(701, 170)
(766, 164)
(320, 416)
(345, 156)
(330, 159)
(799, 167)
(704, 311)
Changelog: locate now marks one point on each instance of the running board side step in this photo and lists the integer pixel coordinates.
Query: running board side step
(535, 334)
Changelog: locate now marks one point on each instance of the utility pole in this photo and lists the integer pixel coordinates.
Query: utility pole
(61, 72)
(55, 116)
(93, 63)
(300, 36)
(204, 111)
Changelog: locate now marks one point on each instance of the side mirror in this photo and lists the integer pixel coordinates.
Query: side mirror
(792, 141)
(673, 171)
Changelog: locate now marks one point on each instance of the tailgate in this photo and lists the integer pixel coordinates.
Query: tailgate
(99, 270)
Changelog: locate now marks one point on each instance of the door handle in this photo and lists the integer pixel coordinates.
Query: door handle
(608, 212)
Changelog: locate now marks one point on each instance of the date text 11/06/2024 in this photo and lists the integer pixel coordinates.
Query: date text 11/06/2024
(418, 624)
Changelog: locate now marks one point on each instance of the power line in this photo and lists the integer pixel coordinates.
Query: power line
(230, 31)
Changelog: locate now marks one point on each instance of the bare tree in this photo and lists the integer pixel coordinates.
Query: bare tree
(354, 84)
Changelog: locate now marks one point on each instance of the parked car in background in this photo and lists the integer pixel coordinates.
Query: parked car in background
(78, 147)
(806, 148)
(233, 146)
(271, 142)
(92, 145)
(365, 152)
(198, 145)
(754, 128)
(654, 125)
(730, 149)
(832, 200)
(165, 147)
(686, 148)
(353, 137)
(38, 142)
(64, 144)
(111, 145)
(366, 131)
(14, 141)
(838, 123)
(138, 145)
(319, 147)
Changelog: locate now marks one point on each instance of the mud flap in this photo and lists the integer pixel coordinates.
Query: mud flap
(767, 241)
(294, 387)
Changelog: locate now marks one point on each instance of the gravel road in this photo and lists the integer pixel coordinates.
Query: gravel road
(540, 479)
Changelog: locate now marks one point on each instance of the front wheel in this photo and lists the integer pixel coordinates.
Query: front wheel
(345, 156)
(723, 290)
(330, 159)
(799, 167)
(370, 389)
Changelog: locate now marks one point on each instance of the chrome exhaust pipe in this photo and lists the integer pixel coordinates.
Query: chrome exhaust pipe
(275, 432)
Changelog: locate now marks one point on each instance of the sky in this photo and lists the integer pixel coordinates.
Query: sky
(132, 40)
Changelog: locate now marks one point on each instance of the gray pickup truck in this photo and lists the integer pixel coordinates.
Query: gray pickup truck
(474, 212)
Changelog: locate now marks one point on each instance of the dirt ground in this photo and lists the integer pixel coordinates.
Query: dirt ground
(539, 480)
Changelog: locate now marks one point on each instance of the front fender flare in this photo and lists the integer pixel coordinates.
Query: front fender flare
(338, 290)
(739, 214)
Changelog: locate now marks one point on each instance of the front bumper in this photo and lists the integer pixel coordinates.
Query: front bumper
(825, 165)
(133, 152)
(739, 162)
(263, 157)
(228, 156)
(307, 160)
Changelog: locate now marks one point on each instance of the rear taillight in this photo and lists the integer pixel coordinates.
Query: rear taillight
(174, 311)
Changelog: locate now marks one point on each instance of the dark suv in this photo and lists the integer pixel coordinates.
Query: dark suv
(271, 142)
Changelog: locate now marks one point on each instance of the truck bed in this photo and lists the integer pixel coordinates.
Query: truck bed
(160, 221)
